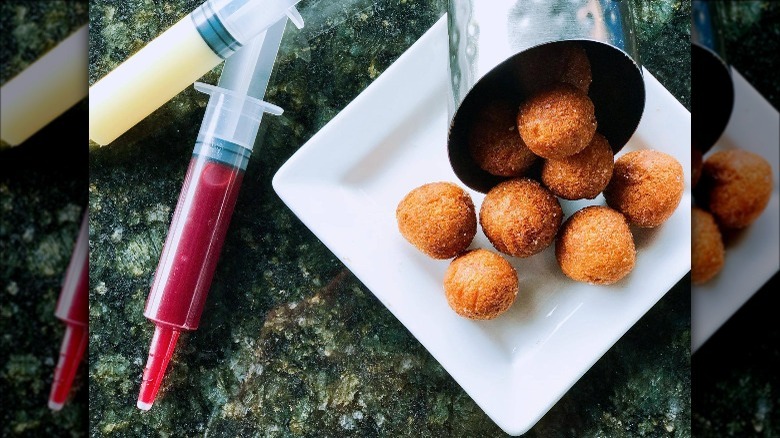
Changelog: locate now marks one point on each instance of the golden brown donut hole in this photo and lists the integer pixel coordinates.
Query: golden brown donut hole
(557, 122)
(520, 217)
(736, 186)
(438, 218)
(583, 175)
(595, 245)
(480, 284)
(646, 186)
(494, 143)
(707, 251)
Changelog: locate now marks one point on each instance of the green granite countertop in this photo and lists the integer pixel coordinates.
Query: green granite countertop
(43, 191)
(291, 343)
(751, 33)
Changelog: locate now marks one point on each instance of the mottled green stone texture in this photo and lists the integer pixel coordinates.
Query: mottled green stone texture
(43, 192)
(751, 32)
(291, 343)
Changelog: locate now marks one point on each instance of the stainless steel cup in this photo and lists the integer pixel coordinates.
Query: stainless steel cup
(492, 40)
(712, 89)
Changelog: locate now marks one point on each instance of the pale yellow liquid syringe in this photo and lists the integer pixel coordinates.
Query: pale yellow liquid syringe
(44, 90)
(174, 60)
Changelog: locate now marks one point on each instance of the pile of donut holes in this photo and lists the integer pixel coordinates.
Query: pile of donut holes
(547, 147)
(732, 187)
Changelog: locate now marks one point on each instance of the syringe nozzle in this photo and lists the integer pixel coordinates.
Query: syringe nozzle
(160, 353)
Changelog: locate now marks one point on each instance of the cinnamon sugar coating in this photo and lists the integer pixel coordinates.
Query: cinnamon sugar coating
(557, 122)
(520, 217)
(438, 218)
(480, 284)
(494, 143)
(646, 186)
(583, 175)
(735, 187)
(707, 251)
(564, 61)
(595, 245)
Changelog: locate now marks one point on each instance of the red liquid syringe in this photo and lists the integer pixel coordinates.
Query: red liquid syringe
(73, 309)
(207, 199)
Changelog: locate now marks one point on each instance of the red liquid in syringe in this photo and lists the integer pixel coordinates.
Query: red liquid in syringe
(73, 309)
(188, 261)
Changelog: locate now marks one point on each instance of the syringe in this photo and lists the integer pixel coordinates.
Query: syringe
(205, 206)
(73, 310)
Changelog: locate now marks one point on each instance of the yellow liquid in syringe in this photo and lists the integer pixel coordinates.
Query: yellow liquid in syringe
(147, 80)
(44, 90)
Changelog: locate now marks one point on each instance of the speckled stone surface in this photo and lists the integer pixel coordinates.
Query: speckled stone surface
(736, 386)
(32, 27)
(43, 191)
(291, 343)
(751, 32)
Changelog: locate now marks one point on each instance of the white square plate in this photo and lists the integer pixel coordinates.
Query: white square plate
(753, 257)
(345, 184)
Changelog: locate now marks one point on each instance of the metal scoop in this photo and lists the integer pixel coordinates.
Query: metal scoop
(489, 40)
(712, 89)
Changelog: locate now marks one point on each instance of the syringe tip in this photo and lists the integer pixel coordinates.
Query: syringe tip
(160, 352)
(73, 345)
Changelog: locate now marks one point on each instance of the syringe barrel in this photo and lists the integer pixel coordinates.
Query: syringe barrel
(202, 216)
(195, 237)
